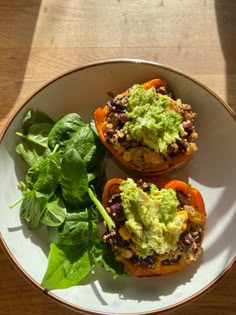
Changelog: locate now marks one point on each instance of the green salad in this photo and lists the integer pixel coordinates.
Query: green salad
(61, 190)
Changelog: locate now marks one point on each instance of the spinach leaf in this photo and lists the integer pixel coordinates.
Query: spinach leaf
(87, 143)
(29, 152)
(55, 213)
(74, 179)
(32, 173)
(36, 133)
(39, 133)
(43, 175)
(48, 171)
(74, 254)
(78, 229)
(37, 140)
(108, 261)
(64, 129)
(41, 182)
(92, 176)
(93, 126)
(36, 127)
(33, 207)
(67, 266)
(35, 117)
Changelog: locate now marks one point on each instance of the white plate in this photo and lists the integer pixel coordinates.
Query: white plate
(212, 170)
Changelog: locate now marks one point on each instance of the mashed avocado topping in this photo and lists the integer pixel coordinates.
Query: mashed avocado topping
(151, 121)
(151, 218)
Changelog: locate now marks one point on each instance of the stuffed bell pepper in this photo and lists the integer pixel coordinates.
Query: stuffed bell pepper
(159, 224)
(146, 129)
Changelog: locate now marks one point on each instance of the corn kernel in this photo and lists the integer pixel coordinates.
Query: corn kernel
(197, 217)
(183, 214)
(109, 126)
(125, 233)
(126, 253)
(104, 125)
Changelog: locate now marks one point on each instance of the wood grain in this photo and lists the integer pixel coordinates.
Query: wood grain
(42, 39)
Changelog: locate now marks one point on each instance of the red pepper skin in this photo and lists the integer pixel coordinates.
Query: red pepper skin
(195, 199)
(176, 161)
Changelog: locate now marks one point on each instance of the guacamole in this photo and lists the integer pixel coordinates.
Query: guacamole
(151, 120)
(151, 218)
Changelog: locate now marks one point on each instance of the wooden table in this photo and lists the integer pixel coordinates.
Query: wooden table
(41, 39)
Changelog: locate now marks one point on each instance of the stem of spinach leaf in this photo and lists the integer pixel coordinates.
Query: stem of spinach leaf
(22, 186)
(19, 134)
(16, 202)
(55, 148)
(110, 223)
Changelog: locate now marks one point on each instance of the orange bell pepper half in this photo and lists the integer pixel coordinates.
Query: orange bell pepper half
(195, 200)
(177, 161)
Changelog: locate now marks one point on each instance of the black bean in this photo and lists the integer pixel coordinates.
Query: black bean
(183, 198)
(188, 127)
(171, 261)
(123, 117)
(116, 207)
(186, 239)
(145, 186)
(110, 133)
(149, 261)
(163, 90)
(135, 259)
(115, 198)
(117, 212)
(116, 105)
(182, 147)
(114, 238)
(198, 238)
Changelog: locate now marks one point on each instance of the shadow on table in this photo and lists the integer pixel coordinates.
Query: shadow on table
(17, 25)
(226, 23)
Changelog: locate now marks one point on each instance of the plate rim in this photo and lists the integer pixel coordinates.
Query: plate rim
(13, 113)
